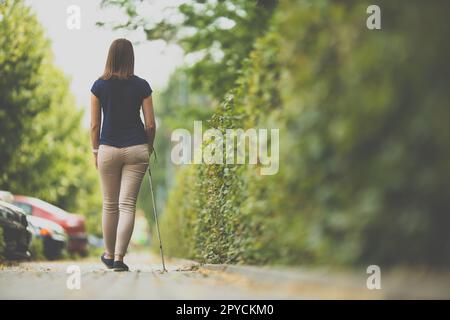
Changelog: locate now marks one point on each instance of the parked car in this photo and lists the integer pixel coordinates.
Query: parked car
(52, 235)
(16, 235)
(73, 224)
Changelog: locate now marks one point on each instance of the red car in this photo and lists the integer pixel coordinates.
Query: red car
(73, 224)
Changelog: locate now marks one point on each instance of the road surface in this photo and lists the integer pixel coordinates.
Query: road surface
(188, 280)
(48, 280)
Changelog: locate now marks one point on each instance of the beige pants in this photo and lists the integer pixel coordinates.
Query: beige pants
(121, 173)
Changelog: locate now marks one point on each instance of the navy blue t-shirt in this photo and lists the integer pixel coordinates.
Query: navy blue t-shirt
(121, 101)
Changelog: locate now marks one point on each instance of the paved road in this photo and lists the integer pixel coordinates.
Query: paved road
(47, 280)
(187, 280)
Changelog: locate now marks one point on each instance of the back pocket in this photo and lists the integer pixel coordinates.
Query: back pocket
(105, 153)
(141, 153)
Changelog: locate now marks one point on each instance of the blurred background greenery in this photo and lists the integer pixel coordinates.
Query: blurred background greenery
(44, 150)
(364, 160)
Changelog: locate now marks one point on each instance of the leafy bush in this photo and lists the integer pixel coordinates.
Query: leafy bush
(204, 218)
(364, 159)
(365, 131)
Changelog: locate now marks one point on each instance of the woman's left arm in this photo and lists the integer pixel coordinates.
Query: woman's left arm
(96, 119)
(149, 118)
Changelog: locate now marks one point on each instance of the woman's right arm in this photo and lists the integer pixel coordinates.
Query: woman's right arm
(149, 117)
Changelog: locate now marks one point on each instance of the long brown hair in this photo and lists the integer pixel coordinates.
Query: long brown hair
(120, 61)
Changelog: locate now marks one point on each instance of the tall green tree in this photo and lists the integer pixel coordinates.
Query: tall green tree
(22, 50)
(44, 149)
(220, 33)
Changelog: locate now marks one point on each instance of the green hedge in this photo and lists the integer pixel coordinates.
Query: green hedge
(364, 157)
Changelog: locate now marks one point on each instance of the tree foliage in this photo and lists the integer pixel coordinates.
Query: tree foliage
(44, 150)
(23, 48)
(220, 33)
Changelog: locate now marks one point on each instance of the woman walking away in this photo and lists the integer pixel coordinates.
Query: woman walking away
(122, 149)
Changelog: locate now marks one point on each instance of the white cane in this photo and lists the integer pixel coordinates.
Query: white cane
(156, 216)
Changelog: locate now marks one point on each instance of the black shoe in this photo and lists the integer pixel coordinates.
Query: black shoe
(120, 266)
(109, 263)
